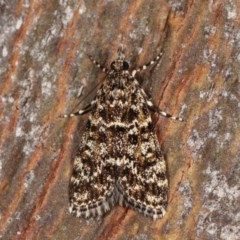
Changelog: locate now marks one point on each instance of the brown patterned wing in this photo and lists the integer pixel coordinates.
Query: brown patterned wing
(143, 183)
(91, 186)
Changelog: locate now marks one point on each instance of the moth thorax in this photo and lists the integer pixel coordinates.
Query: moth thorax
(118, 93)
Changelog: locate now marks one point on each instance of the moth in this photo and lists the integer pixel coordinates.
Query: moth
(119, 160)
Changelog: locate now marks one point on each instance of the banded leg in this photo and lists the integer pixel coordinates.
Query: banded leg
(105, 70)
(156, 109)
(149, 103)
(145, 66)
(86, 109)
(167, 115)
(89, 107)
(164, 114)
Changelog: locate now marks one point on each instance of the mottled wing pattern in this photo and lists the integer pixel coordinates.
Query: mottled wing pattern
(119, 159)
(91, 186)
(143, 183)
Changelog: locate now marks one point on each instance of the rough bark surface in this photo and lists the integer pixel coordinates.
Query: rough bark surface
(43, 70)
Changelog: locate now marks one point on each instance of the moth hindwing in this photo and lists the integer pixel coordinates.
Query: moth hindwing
(119, 160)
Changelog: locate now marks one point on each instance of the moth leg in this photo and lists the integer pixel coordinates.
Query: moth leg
(159, 111)
(98, 64)
(167, 115)
(145, 66)
(86, 109)
(149, 103)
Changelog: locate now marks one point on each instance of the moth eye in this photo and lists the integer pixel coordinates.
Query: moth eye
(112, 65)
(125, 65)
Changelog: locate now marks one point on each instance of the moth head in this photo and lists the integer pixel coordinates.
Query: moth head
(119, 65)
